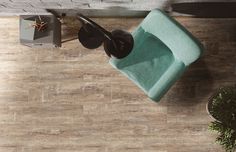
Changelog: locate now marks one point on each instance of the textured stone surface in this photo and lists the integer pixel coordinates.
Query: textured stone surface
(113, 6)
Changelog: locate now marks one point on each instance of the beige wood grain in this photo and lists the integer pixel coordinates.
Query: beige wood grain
(70, 99)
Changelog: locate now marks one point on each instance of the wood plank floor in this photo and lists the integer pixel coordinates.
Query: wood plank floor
(71, 100)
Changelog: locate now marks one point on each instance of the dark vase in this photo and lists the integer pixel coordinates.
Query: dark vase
(225, 106)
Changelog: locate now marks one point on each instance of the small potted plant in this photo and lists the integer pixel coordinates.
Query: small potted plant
(222, 108)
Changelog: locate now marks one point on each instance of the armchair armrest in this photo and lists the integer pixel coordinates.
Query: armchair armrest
(182, 43)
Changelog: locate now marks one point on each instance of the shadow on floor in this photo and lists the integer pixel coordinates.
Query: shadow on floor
(197, 82)
(216, 68)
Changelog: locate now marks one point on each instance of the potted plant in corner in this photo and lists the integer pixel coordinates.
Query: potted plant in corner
(222, 107)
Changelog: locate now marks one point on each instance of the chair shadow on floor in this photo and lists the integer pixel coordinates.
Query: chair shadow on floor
(195, 84)
(217, 66)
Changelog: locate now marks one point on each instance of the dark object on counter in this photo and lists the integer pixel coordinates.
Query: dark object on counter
(223, 9)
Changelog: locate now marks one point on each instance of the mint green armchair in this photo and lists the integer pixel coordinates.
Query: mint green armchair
(163, 49)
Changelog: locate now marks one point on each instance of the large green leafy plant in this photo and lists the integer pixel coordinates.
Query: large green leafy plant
(222, 106)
